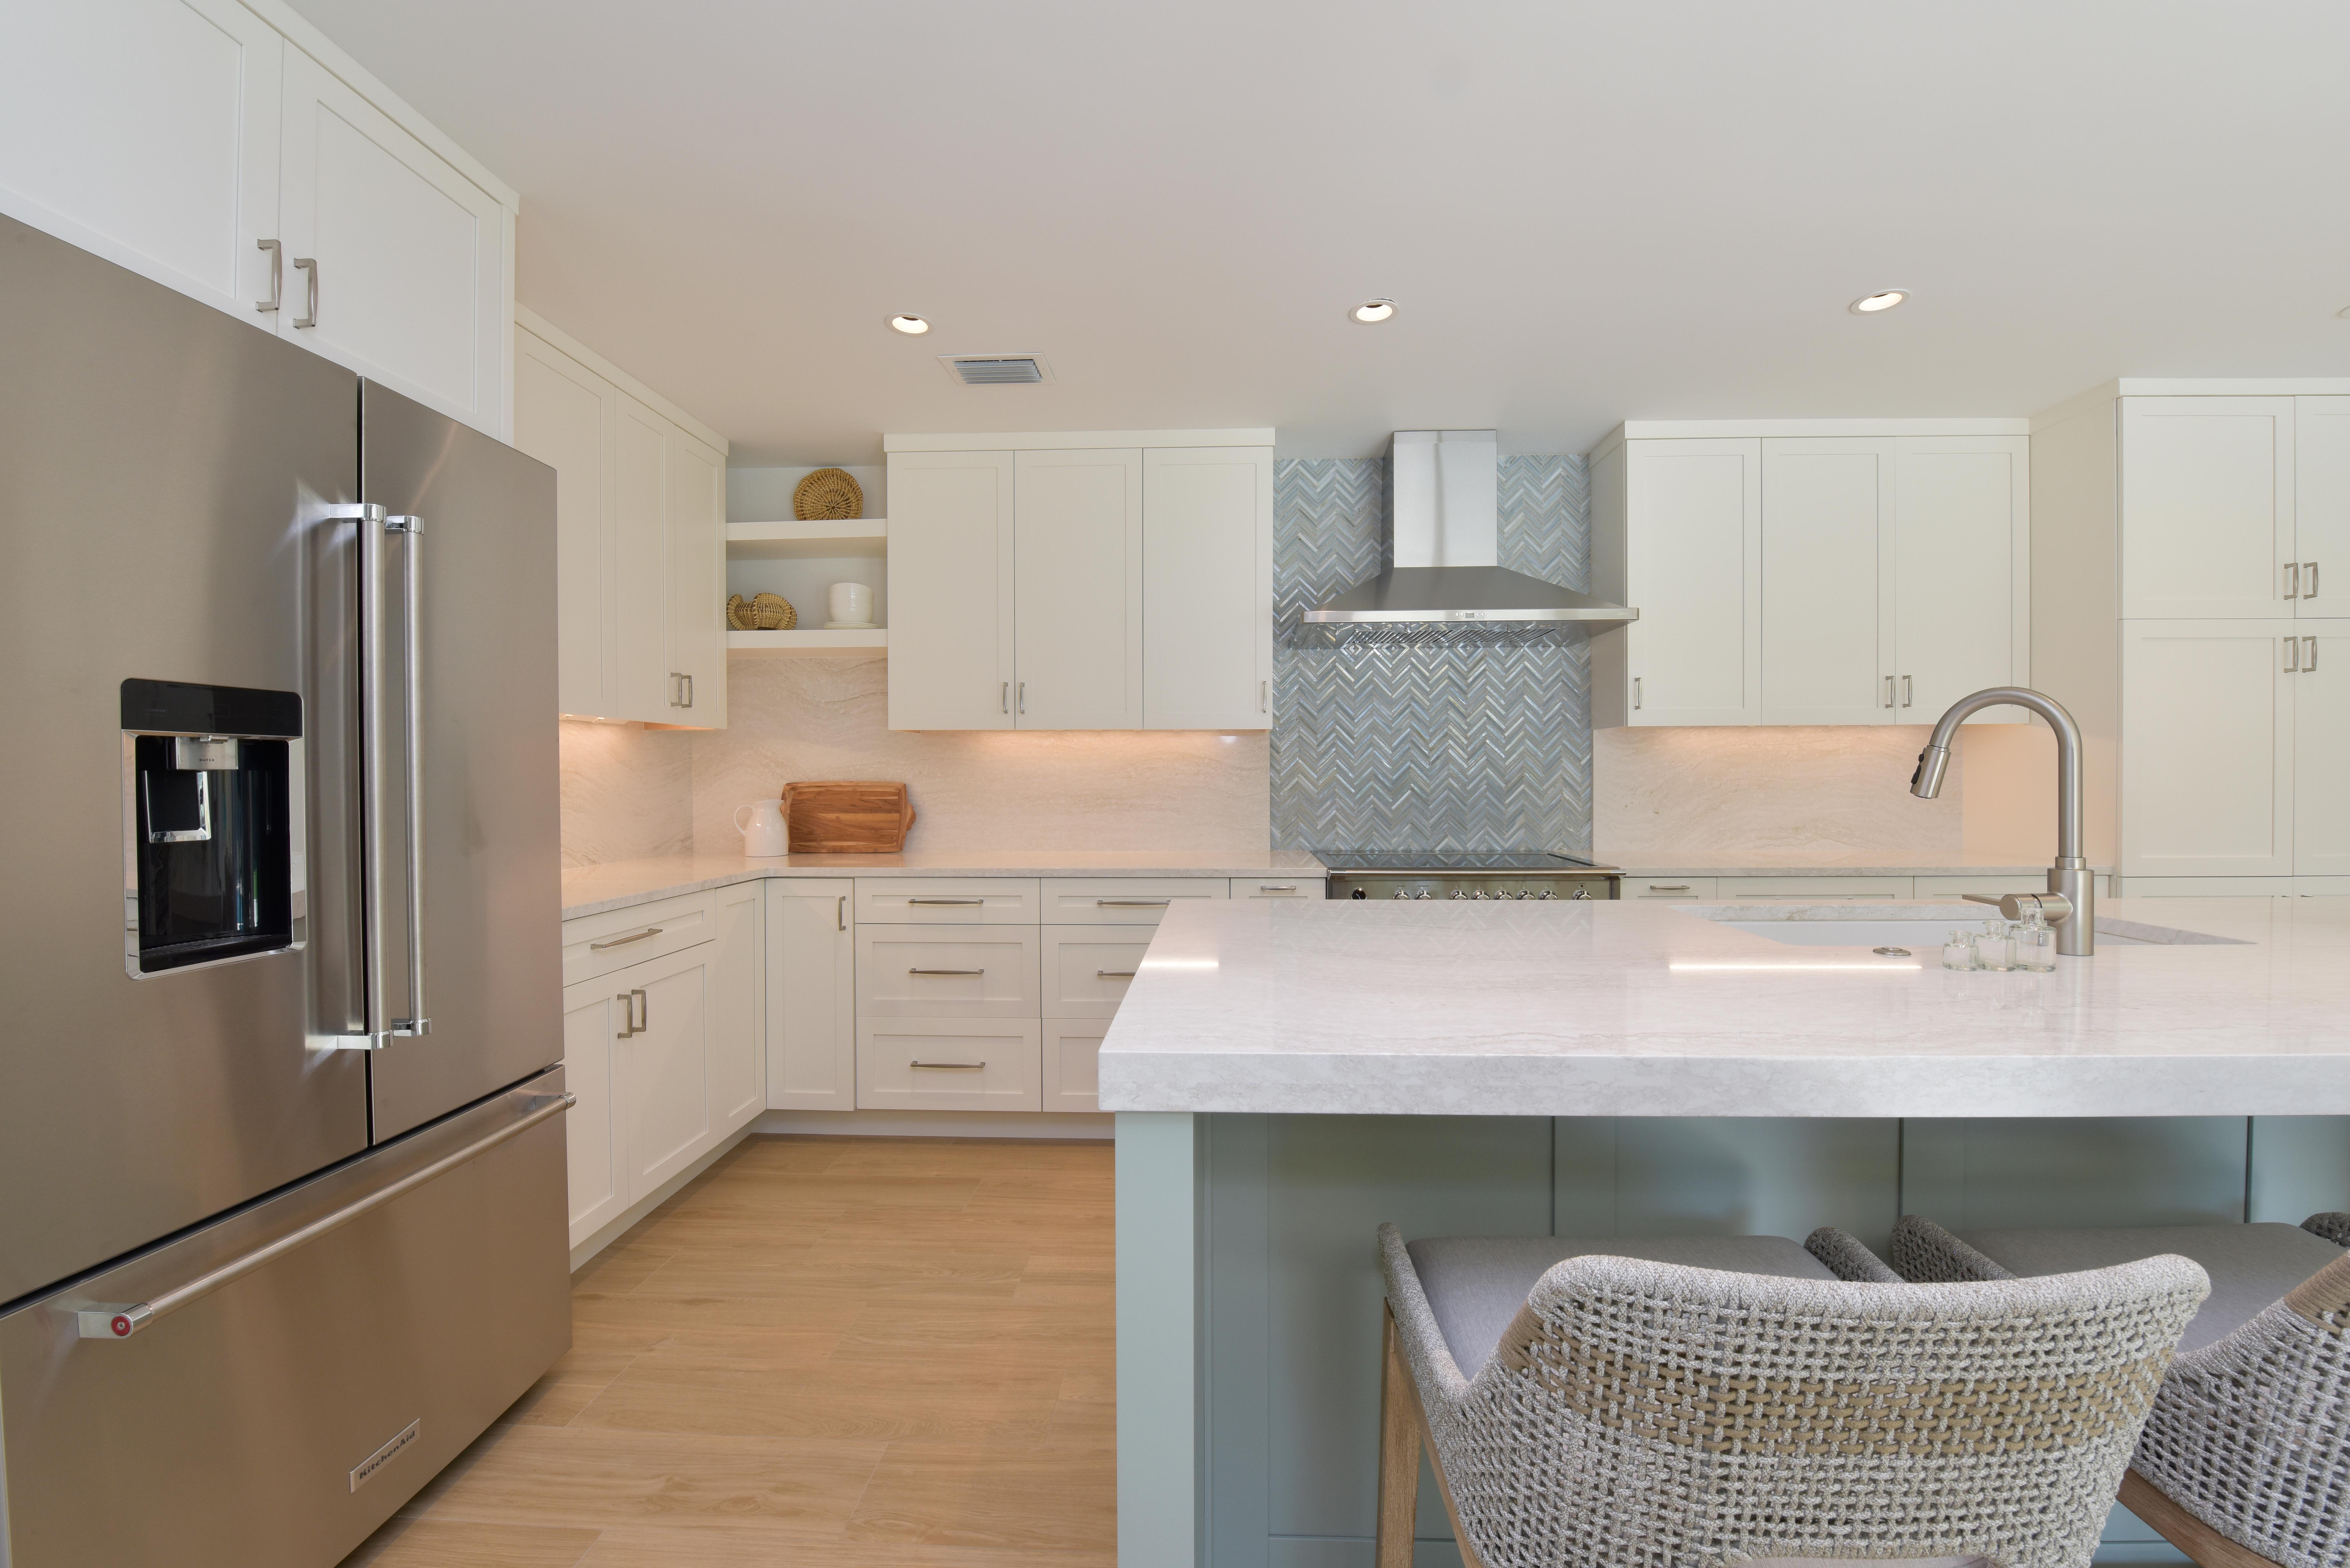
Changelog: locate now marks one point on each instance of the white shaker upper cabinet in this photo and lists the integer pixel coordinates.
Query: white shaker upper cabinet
(1961, 571)
(2321, 503)
(950, 590)
(146, 130)
(1692, 516)
(559, 419)
(644, 686)
(406, 280)
(1207, 594)
(1827, 515)
(2207, 764)
(697, 583)
(1078, 605)
(2207, 507)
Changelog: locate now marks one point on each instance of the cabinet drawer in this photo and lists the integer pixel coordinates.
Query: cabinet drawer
(1688, 889)
(948, 1063)
(1088, 969)
(967, 971)
(1122, 901)
(1073, 1063)
(595, 945)
(1279, 887)
(946, 900)
(1734, 889)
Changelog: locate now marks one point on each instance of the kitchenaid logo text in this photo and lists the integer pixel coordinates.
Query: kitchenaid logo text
(382, 1456)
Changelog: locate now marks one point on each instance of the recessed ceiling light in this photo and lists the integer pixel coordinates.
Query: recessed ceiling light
(1882, 299)
(913, 326)
(1371, 312)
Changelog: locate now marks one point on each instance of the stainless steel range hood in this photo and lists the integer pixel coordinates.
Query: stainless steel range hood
(1447, 552)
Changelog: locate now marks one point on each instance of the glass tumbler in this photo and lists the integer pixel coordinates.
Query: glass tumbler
(1959, 952)
(2035, 947)
(1993, 952)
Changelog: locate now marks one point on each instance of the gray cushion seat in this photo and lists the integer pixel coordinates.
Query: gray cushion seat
(1475, 1285)
(2252, 1266)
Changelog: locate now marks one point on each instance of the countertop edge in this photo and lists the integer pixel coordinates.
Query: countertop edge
(846, 867)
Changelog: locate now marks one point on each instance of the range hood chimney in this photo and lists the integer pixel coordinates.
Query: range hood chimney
(1447, 548)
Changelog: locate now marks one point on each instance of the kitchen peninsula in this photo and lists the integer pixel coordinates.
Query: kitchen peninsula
(1288, 1076)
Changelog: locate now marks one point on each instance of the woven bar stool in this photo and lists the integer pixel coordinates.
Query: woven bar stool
(2243, 1462)
(1735, 1400)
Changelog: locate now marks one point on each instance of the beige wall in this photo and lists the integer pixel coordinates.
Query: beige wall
(1794, 793)
(628, 791)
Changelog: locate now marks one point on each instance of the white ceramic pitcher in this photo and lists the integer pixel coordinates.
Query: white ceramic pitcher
(765, 835)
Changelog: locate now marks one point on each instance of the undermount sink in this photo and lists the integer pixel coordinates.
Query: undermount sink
(1918, 936)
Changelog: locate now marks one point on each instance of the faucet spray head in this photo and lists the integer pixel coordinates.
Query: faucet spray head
(1932, 763)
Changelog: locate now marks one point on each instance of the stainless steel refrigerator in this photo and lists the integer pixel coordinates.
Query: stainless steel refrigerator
(282, 1207)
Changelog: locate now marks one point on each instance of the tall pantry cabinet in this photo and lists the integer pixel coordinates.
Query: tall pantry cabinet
(641, 536)
(2198, 530)
(1809, 572)
(1099, 580)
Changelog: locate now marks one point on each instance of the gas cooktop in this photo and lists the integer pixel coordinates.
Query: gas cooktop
(1448, 862)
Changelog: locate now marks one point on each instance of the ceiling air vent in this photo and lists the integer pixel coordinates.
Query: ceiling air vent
(996, 369)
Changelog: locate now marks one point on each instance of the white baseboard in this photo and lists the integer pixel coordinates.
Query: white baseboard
(940, 1124)
(657, 1196)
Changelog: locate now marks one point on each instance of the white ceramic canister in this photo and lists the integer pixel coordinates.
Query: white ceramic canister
(765, 835)
(851, 604)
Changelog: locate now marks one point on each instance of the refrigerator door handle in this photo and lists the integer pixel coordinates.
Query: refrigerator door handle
(369, 518)
(411, 532)
(122, 1321)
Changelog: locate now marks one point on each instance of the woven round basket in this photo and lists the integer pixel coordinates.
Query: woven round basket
(760, 612)
(829, 494)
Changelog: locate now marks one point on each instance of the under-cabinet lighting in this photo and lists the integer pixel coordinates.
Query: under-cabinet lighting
(1882, 299)
(1871, 967)
(1371, 312)
(912, 325)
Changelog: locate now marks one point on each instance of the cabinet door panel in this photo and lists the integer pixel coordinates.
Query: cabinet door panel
(560, 419)
(146, 130)
(2320, 502)
(1078, 609)
(1089, 969)
(1693, 568)
(697, 579)
(738, 1053)
(950, 590)
(1207, 589)
(641, 687)
(661, 1082)
(1827, 507)
(2207, 749)
(2320, 712)
(1960, 548)
(599, 1175)
(1073, 1063)
(410, 253)
(2207, 506)
(811, 997)
(949, 1063)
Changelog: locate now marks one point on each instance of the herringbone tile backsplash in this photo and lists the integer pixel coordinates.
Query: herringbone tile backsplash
(1461, 740)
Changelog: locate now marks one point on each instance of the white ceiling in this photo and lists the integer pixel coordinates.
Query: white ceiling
(1588, 212)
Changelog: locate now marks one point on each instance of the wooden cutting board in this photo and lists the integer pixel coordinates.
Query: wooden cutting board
(853, 816)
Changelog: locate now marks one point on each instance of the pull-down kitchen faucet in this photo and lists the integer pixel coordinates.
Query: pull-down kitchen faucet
(2070, 903)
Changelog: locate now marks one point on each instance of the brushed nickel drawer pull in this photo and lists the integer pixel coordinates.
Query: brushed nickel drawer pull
(623, 942)
(1133, 903)
(946, 972)
(1669, 886)
(1276, 887)
(946, 900)
(1113, 974)
(951, 1066)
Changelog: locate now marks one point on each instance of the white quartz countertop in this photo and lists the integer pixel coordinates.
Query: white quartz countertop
(1646, 1009)
(1822, 866)
(593, 889)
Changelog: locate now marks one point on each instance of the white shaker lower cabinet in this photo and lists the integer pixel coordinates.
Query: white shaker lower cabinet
(946, 972)
(665, 1053)
(811, 996)
(948, 1063)
(1073, 1063)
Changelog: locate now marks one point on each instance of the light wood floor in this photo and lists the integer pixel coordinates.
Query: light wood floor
(828, 1354)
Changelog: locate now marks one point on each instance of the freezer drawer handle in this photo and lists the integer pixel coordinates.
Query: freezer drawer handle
(623, 942)
(122, 1321)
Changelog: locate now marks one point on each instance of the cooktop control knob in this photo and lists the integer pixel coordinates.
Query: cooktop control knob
(1424, 893)
(1458, 894)
(1358, 893)
(1584, 893)
(1548, 894)
(1400, 893)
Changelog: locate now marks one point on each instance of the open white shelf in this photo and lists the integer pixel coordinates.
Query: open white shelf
(771, 642)
(818, 539)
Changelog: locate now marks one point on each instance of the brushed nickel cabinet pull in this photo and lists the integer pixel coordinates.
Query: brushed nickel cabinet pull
(2309, 655)
(276, 277)
(623, 942)
(1276, 887)
(1669, 886)
(946, 972)
(840, 912)
(2310, 590)
(2292, 656)
(946, 900)
(1133, 903)
(309, 267)
(949, 1066)
(2292, 579)
(1906, 692)
(1113, 974)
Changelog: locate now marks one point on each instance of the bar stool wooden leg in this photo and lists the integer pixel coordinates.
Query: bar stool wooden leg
(1398, 1452)
(2205, 1545)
